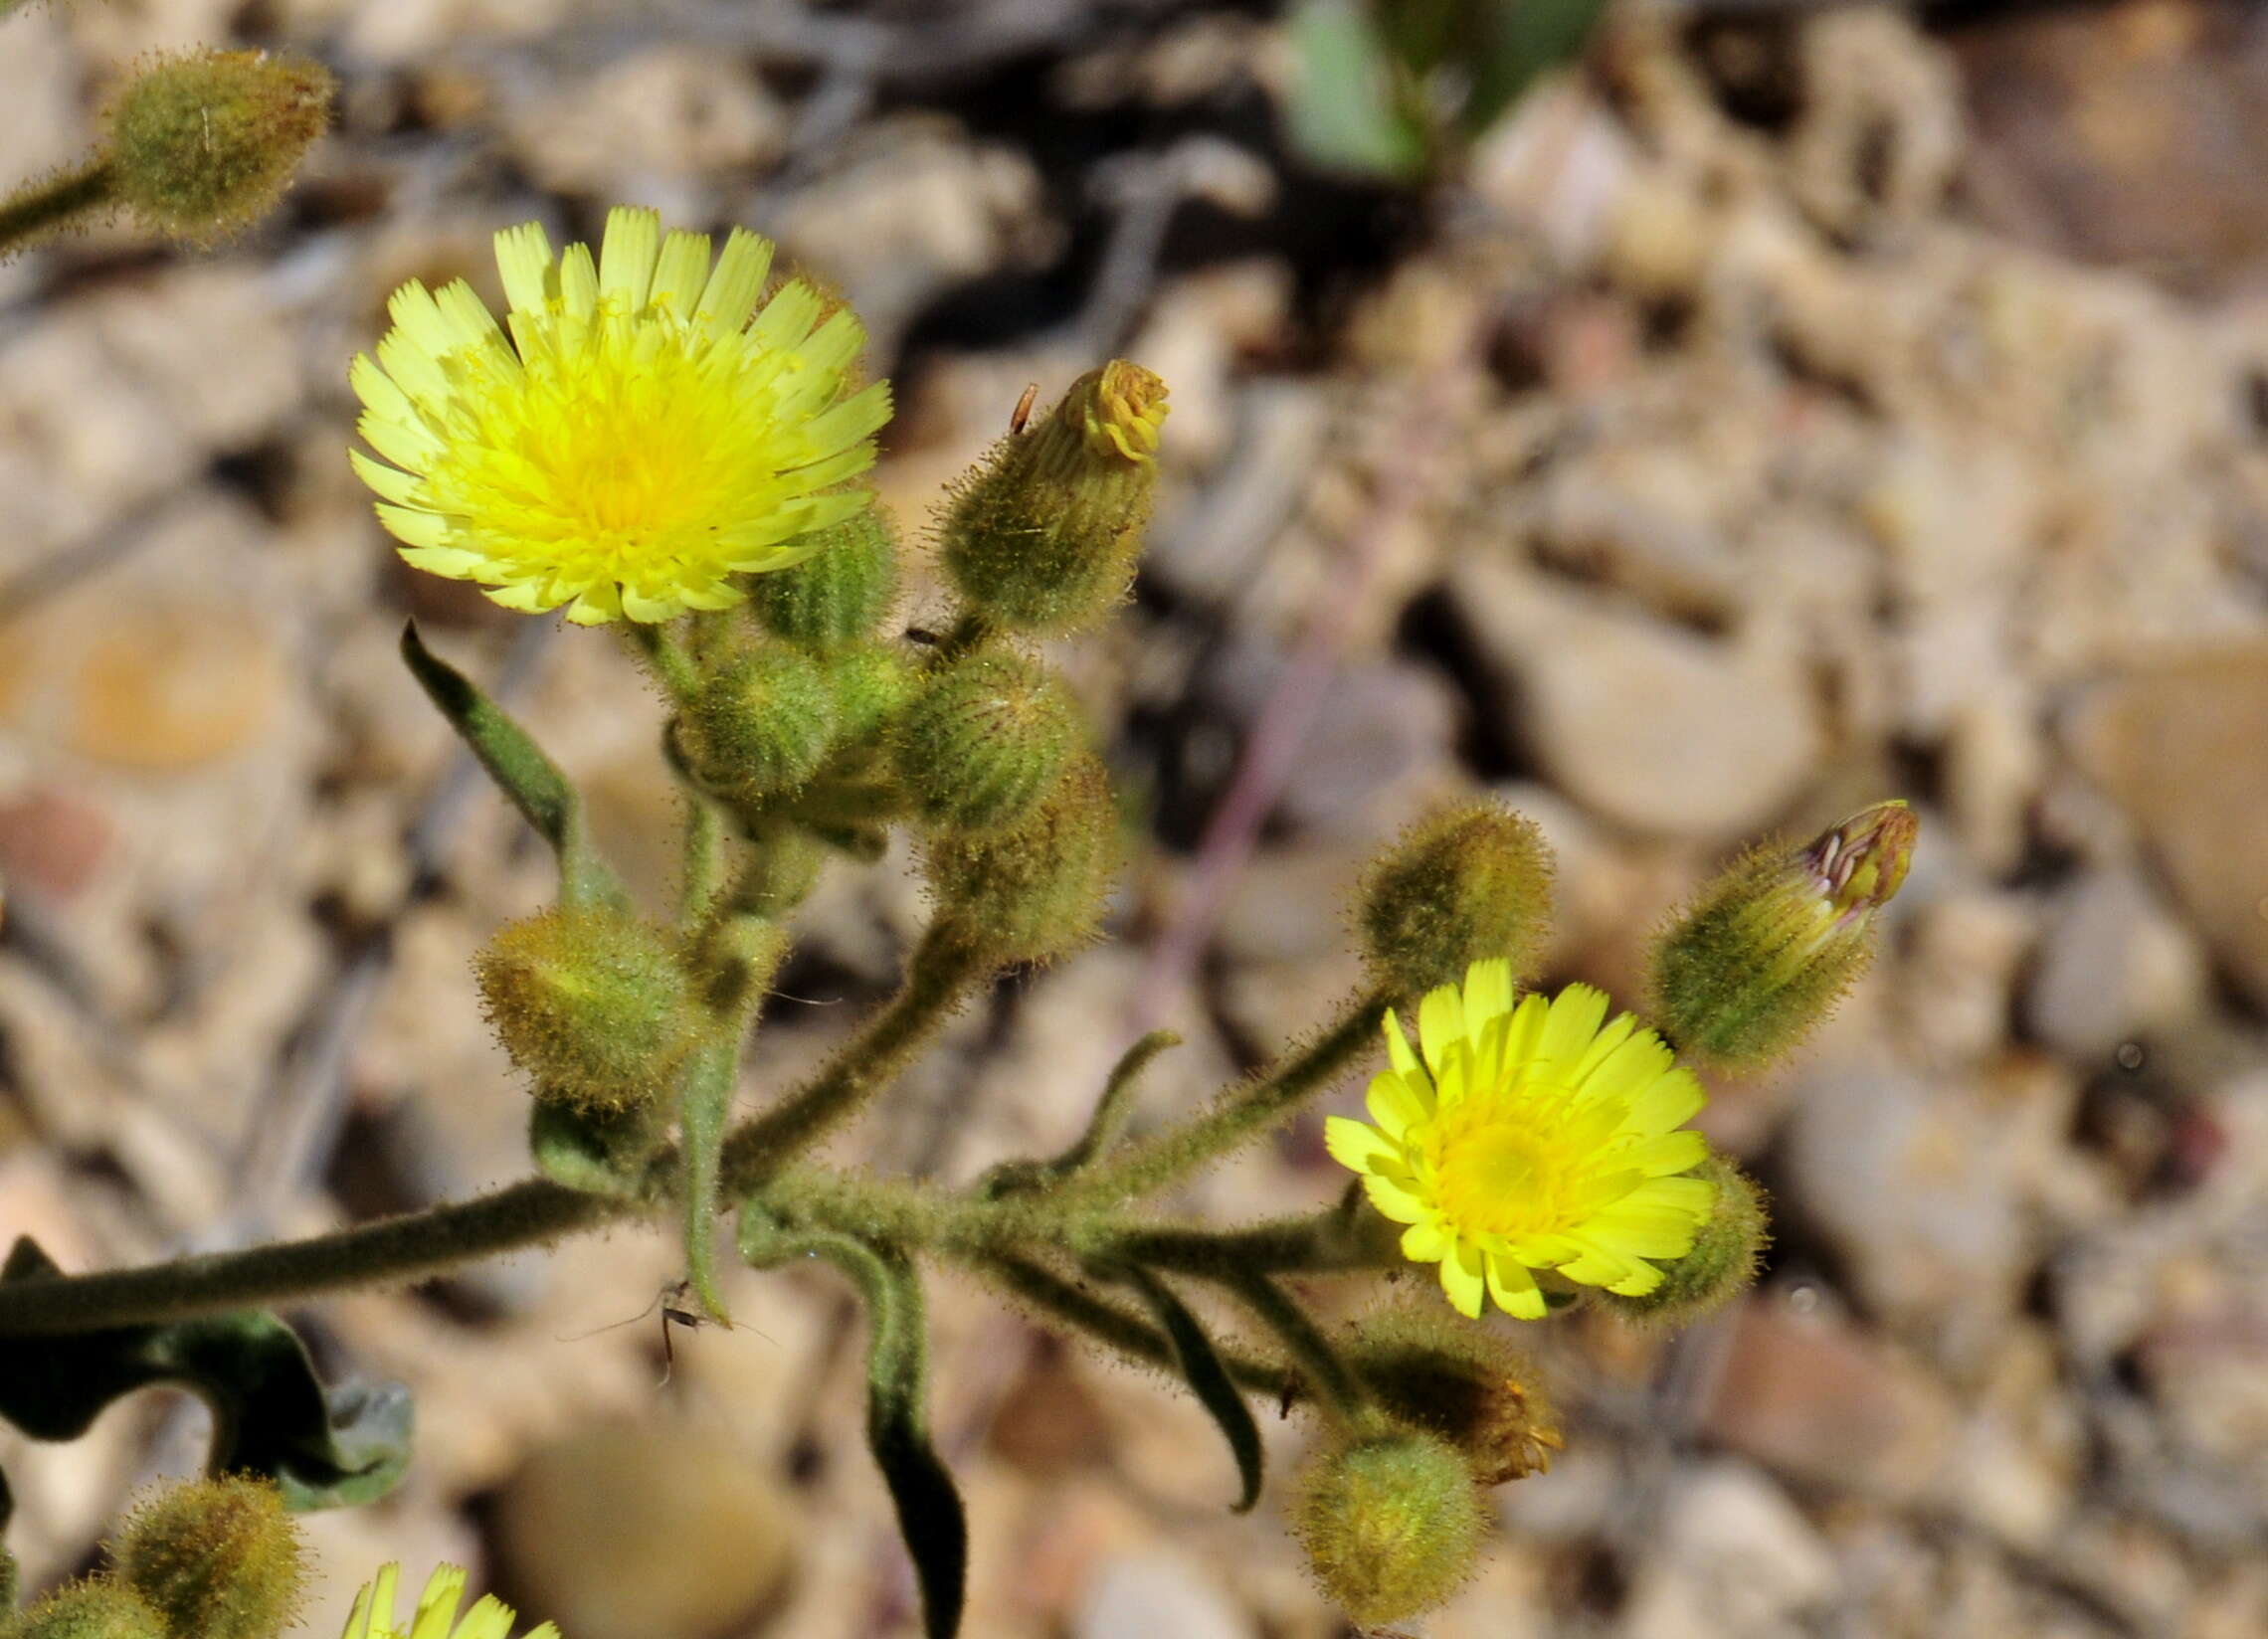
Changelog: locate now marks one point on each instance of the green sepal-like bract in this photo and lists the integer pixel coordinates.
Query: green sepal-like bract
(272, 1417)
(928, 1504)
(521, 771)
(1207, 1380)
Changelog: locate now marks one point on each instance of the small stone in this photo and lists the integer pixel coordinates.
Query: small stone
(1804, 1393)
(1924, 1184)
(619, 1530)
(1730, 1555)
(2115, 965)
(1149, 1594)
(1649, 725)
(168, 689)
(2181, 743)
(675, 113)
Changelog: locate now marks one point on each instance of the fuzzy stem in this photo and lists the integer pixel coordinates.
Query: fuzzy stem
(665, 656)
(395, 1251)
(39, 205)
(937, 979)
(1238, 1117)
(1120, 1329)
(704, 858)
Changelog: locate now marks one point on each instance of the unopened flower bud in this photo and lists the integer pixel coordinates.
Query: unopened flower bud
(759, 725)
(97, 1608)
(1037, 890)
(203, 144)
(840, 593)
(870, 683)
(986, 740)
(217, 1558)
(1434, 1371)
(1470, 883)
(1764, 952)
(1043, 536)
(1723, 1262)
(1393, 1525)
(591, 1002)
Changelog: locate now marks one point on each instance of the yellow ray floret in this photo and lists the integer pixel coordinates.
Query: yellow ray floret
(436, 1618)
(641, 430)
(1537, 1136)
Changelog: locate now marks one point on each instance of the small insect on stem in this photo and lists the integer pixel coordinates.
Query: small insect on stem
(674, 1313)
(1021, 417)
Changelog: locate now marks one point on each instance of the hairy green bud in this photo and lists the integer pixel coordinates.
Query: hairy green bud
(591, 1002)
(203, 144)
(1430, 1367)
(871, 683)
(216, 1558)
(1393, 1525)
(1765, 951)
(1724, 1259)
(840, 593)
(1469, 883)
(97, 1608)
(759, 725)
(986, 740)
(1043, 535)
(1036, 890)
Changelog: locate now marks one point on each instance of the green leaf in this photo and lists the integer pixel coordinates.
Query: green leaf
(1207, 1378)
(1346, 113)
(271, 1415)
(1519, 42)
(704, 1104)
(520, 770)
(929, 1512)
(594, 1151)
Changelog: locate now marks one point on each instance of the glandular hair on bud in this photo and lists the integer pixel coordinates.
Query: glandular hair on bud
(840, 593)
(217, 1558)
(593, 1003)
(1765, 950)
(204, 143)
(98, 1608)
(1724, 1259)
(1393, 1525)
(986, 740)
(1042, 537)
(1471, 883)
(1432, 1369)
(759, 725)
(1036, 890)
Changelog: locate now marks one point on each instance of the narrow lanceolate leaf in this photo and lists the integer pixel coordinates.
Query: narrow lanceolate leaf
(520, 770)
(928, 1504)
(1207, 1378)
(704, 1104)
(272, 1414)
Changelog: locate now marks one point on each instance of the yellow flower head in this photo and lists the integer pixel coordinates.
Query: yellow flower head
(436, 1618)
(638, 441)
(1536, 1137)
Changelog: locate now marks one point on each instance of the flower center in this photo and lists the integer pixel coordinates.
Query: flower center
(1527, 1160)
